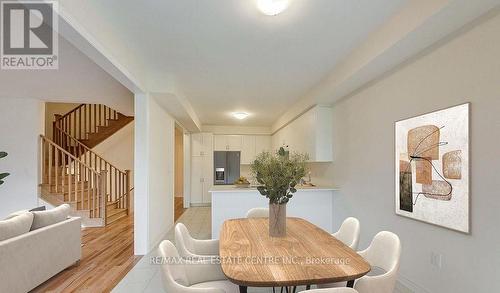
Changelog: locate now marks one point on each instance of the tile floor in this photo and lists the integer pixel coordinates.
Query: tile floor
(146, 277)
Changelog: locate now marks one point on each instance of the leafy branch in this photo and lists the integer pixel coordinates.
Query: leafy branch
(3, 175)
(279, 173)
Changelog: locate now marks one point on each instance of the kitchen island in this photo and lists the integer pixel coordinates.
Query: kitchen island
(314, 204)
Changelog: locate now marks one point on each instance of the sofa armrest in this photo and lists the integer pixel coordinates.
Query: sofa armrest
(30, 259)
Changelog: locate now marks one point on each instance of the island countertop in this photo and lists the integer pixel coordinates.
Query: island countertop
(234, 188)
(315, 204)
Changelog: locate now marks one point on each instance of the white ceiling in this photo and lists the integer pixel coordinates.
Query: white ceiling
(224, 55)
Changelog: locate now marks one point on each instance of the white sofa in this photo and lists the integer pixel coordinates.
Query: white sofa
(29, 259)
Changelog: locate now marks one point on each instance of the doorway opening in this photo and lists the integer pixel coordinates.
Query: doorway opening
(179, 173)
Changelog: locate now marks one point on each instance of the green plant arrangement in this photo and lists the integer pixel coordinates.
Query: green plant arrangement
(278, 175)
(3, 175)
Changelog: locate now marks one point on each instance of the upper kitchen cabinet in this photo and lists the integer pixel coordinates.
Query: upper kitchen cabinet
(262, 143)
(201, 144)
(248, 149)
(228, 142)
(253, 145)
(310, 133)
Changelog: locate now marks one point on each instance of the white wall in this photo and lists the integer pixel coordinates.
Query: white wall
(118, 149)
(78, 80)
(21, 123)
(466, 69)
(154, 165)
(55, 108)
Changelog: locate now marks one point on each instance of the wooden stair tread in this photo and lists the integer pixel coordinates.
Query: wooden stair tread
(115, 211)
(75, 144)
(116, 216)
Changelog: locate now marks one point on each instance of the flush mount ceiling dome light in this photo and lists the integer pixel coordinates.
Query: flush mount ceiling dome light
(272, 7)
(240, 115)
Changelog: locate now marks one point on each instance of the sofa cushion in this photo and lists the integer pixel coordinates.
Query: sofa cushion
(15, 226)
(15, 214)
(50, 217)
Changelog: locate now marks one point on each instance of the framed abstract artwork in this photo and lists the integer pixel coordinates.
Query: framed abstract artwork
(432, 168)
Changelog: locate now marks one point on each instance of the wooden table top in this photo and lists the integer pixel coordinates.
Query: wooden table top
(307, 255)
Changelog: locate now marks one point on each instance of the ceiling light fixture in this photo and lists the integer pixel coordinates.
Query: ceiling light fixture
(272, 7)
(240, 115)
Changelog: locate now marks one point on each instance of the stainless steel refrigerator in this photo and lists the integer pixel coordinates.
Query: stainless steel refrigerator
(226, 167)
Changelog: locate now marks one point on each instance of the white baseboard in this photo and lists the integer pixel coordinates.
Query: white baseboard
(405, 285)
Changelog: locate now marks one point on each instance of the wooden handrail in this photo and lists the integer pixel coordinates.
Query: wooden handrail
(65, 152)
(77, 182)
(72, 111)
(85, 119)
(88, 149)
(76, 125)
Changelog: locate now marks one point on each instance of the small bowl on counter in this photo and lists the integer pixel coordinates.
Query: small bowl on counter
(242, 182)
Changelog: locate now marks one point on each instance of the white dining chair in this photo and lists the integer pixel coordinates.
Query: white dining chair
(191, 247)
(383, 255)
(349, 232)
(180, 275)
(258, 213)
(333, 290)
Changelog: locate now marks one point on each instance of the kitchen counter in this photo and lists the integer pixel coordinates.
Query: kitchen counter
(314, 204)
(234, 188)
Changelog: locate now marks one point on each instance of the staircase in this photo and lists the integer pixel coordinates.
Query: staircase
(73, 173)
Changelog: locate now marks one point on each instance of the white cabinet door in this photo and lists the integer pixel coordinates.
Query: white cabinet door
(201, 144)
(262, 144)
(208, 178)
(197, 179)
(196, 144)
(227, 142)
(220, 143)
(248, 149)
(208, 140)
(207, 196)
(234, 142)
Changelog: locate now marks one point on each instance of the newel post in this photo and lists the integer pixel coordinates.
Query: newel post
(127, 189)
(102, 194)
(55, 137)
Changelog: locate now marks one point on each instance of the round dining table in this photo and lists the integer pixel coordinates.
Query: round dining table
(307, 255)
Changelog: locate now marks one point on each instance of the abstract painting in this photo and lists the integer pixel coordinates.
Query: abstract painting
(432, 168)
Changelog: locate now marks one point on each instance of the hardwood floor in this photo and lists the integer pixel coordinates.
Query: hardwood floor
(179, 207)
(107, 256)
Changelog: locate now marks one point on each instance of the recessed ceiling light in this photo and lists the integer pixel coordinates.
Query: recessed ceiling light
(240, 115)
(272, 7)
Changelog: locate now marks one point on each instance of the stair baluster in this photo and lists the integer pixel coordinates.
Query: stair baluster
(79, 165)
